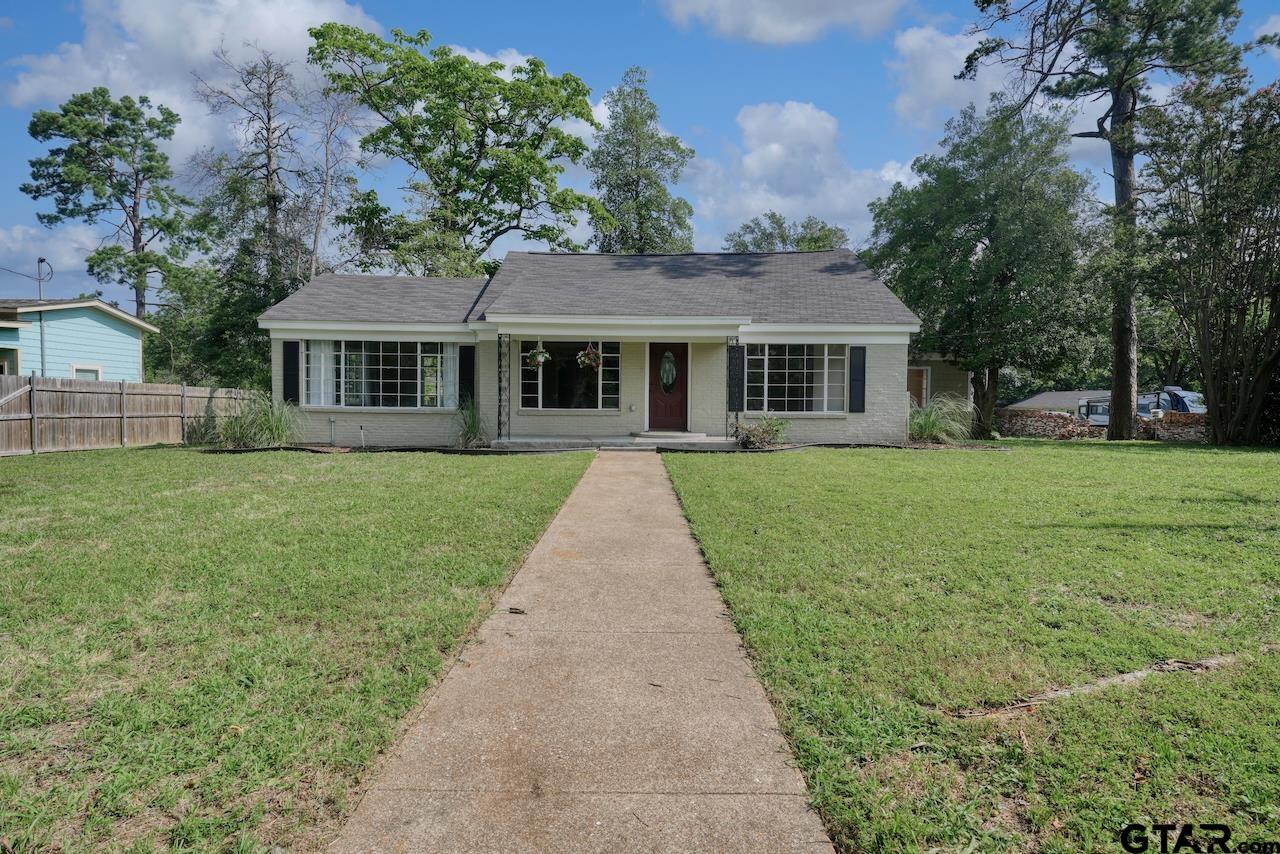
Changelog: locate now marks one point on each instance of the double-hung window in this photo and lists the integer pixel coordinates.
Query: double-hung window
(551, 376)
(384, 374)
(796, 377)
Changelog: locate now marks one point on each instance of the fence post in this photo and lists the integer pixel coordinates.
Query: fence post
(124, 427)
(31, 403)
(182, 402)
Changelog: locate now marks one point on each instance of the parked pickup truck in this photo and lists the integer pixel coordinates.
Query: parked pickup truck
(1172, 398)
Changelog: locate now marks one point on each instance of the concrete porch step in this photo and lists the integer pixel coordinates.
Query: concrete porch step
(679, 435)
(643, 442)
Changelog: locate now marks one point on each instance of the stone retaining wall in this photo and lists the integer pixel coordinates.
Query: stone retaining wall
(1048, 424)
(1044, 424)
(1176, 427)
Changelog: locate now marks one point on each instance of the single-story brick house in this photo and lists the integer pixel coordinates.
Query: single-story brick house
(597, 348)
(81, 339)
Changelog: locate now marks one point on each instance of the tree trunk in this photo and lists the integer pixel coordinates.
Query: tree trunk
(138, 247)
(985, 384)
(1124, 311)
(323, 213)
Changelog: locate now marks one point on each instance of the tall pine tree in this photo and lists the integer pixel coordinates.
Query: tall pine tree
(633, 165)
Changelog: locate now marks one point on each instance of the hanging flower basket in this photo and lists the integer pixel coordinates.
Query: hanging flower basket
(534, 358)
(590, 358)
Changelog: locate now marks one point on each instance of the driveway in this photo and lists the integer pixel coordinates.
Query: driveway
(605, 705)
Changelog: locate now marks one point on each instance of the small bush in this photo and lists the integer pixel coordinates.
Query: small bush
(765, 432)
(260, 423)
(470, 427)
(943, 420)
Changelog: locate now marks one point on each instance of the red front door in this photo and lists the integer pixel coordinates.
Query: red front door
(668, 386)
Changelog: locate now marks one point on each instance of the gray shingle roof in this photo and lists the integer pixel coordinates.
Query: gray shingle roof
(404, 299)
(777, 287)
(1064, 400)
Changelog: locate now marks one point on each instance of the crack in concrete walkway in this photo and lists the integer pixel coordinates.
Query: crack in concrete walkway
(612, 710)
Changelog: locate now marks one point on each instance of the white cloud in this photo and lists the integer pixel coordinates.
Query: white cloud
(789, 162)
(64, 247)
(508, 56)
(1270, 26)
(152, 47)
(784, 21)
(925, 66)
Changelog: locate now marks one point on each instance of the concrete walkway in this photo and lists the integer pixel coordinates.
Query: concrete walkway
(606, 705)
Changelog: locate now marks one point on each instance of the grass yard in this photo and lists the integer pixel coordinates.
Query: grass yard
(208, 651)
(880, 590)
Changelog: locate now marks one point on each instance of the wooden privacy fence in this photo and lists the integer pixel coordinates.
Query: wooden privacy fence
(40, 414)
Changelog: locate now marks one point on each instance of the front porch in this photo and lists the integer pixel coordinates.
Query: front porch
(645, 441)
(644, 391)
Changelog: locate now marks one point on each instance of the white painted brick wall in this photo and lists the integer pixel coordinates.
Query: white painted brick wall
(387, 429)
(884, 422)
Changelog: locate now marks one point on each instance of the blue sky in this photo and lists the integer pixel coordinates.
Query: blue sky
(804, 106)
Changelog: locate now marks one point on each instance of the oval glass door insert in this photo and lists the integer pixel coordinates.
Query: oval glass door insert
(667, 371)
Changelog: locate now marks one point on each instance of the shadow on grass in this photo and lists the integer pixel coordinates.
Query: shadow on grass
(1101, 446)
(1151, 526)
(1229, 496)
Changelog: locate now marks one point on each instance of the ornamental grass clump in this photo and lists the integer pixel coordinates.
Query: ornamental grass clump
(943, 420)
(260, 423)
(470, 427)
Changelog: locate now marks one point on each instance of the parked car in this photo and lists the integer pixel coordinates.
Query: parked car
(1172, 398)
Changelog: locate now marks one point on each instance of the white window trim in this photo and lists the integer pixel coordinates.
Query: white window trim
(340, 379)
(599, 408)
(76, 366)
(825, 412)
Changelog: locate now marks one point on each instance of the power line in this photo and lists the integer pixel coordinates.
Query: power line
(39, 278)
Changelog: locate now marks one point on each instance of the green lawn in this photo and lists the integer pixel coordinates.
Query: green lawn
(208, 651)
(878, 590)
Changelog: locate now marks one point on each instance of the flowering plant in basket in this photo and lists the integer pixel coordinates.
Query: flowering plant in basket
(534, 358)
(590, 358)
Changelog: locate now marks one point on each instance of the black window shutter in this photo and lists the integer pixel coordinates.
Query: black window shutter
(737, 377)
(857, 379)
(466, 372)
(290, 373)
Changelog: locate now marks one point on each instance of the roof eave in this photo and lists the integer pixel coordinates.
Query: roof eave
(90, 303)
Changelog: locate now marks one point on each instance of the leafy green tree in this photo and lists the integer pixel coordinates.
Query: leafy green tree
(1106, 52)
(633, 165)
(773, 233)
(485, 146)
(174, 354)
(1168, 353)
(1212, 202)
(106, 166)
(985, 248)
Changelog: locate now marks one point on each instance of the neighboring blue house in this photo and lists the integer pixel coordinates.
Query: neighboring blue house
(77, 338)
